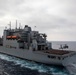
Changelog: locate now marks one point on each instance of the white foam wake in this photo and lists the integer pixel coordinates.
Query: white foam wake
(33, 65)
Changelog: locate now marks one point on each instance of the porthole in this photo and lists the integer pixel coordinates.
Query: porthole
(48, 56)
(59, 58)
(53, 57)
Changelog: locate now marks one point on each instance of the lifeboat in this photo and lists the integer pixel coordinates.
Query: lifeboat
(8, 37)
(14, 37)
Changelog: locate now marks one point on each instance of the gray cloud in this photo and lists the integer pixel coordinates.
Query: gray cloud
(54, 17)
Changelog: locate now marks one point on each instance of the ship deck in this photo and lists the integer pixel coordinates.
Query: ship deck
(57, 52)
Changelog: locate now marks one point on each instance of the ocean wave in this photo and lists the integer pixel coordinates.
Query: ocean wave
(55, 70)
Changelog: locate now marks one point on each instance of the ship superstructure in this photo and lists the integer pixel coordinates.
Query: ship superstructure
(32, 45)
(25, 38)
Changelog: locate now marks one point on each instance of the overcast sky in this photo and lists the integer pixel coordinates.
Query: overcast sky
(56, 18)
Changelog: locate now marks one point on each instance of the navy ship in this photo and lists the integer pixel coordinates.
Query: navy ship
(31, 45)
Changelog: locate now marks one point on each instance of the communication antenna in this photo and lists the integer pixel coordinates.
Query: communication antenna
(19, 25)
(16, 24)
(9, 25)
(34, 28)
(5, 28)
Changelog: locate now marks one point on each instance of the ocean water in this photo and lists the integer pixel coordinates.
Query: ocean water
(10, 65)
(71, 44)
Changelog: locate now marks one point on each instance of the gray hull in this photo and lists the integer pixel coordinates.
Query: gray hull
(70, 64)
(37, 56)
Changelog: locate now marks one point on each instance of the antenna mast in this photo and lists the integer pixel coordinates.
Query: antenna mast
(9, 25)
(16, 24)
(19, 25)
